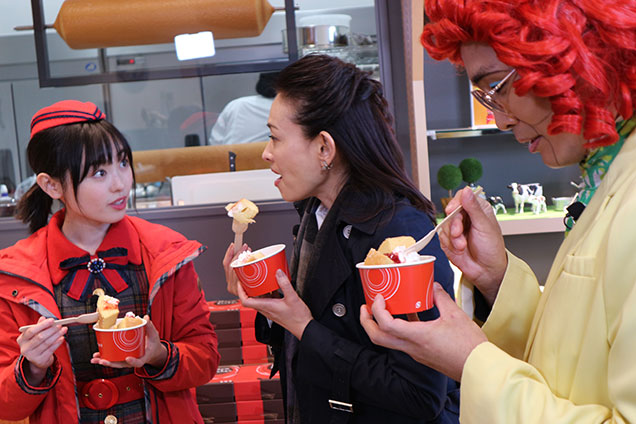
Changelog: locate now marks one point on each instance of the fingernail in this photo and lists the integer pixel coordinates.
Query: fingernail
(437, 286)
(280, 273)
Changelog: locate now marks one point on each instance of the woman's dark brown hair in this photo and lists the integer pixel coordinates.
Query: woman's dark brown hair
(68, 150)
(337, 97)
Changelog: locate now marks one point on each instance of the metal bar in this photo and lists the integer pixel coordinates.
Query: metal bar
(384, 50)
(22, 172)
(158, 74)
(103, 63)
(290, 23)
(206, 130)
(39, 34)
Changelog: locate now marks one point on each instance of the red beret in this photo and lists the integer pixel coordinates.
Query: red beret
(65, 112)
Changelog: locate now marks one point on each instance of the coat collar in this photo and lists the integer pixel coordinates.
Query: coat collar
(25, 265)
(59, 248)
(353, 200)
(332, 267)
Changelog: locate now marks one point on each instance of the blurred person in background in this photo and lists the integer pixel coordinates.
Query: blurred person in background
(244, 120)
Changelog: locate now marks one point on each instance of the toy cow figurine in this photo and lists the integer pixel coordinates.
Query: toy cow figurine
(497, 203)
(538, 204)
(521, 194)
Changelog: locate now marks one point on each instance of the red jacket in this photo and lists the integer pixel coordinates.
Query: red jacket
(177, 309)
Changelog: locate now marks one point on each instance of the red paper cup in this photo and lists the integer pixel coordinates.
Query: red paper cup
(259, 277)
(406, 288)
(116, 344)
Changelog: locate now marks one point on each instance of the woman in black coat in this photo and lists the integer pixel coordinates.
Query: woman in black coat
(333, 146)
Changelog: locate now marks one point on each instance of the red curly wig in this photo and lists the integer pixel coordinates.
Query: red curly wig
(581, 54)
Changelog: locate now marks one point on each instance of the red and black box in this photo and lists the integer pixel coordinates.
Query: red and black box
(256, 354)
(251, 411)
(243, 394)
(230, 314)
(236, 337)
(234, 326)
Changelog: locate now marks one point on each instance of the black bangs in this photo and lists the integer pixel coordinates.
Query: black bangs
(98, 149)
(92, 144)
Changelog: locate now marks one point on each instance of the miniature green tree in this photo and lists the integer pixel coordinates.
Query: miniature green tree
(471, 170)
(449, 177)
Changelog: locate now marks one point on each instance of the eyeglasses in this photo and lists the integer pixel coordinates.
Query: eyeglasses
(487, 98)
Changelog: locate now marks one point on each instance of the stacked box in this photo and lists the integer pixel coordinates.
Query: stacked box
(234, 326)
(230, 314)
(242, 394)
(242, 391)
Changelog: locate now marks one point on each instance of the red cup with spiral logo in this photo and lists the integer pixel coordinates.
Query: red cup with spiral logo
(116, 344)
(258, 277)
(407, 288)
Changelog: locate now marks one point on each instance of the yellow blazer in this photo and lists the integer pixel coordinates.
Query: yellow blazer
(567, 355)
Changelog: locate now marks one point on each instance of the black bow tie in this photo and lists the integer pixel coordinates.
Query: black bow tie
(107, 266)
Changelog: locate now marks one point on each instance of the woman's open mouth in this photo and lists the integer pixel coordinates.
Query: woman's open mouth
(120, 203)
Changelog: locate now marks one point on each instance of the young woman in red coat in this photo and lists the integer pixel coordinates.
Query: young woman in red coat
(52, 373)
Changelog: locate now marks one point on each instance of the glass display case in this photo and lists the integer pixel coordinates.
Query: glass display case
(123, 40)
(159, 103)
(170, 120)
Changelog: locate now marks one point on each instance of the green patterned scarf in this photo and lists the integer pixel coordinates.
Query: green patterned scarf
(595, 166)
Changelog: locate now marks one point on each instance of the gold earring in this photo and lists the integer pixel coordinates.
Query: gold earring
(326, 166)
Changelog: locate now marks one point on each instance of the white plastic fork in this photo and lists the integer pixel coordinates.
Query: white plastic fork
(421, 243)
(80, 319)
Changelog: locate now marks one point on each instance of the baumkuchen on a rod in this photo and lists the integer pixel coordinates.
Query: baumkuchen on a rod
(86, 24)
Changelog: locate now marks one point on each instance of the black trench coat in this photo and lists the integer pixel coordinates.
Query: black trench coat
(336, 360)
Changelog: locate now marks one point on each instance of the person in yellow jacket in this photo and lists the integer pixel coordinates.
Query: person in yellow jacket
(561, 75)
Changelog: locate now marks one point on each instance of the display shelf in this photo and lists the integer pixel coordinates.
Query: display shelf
(529, 223)
(463, 132)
